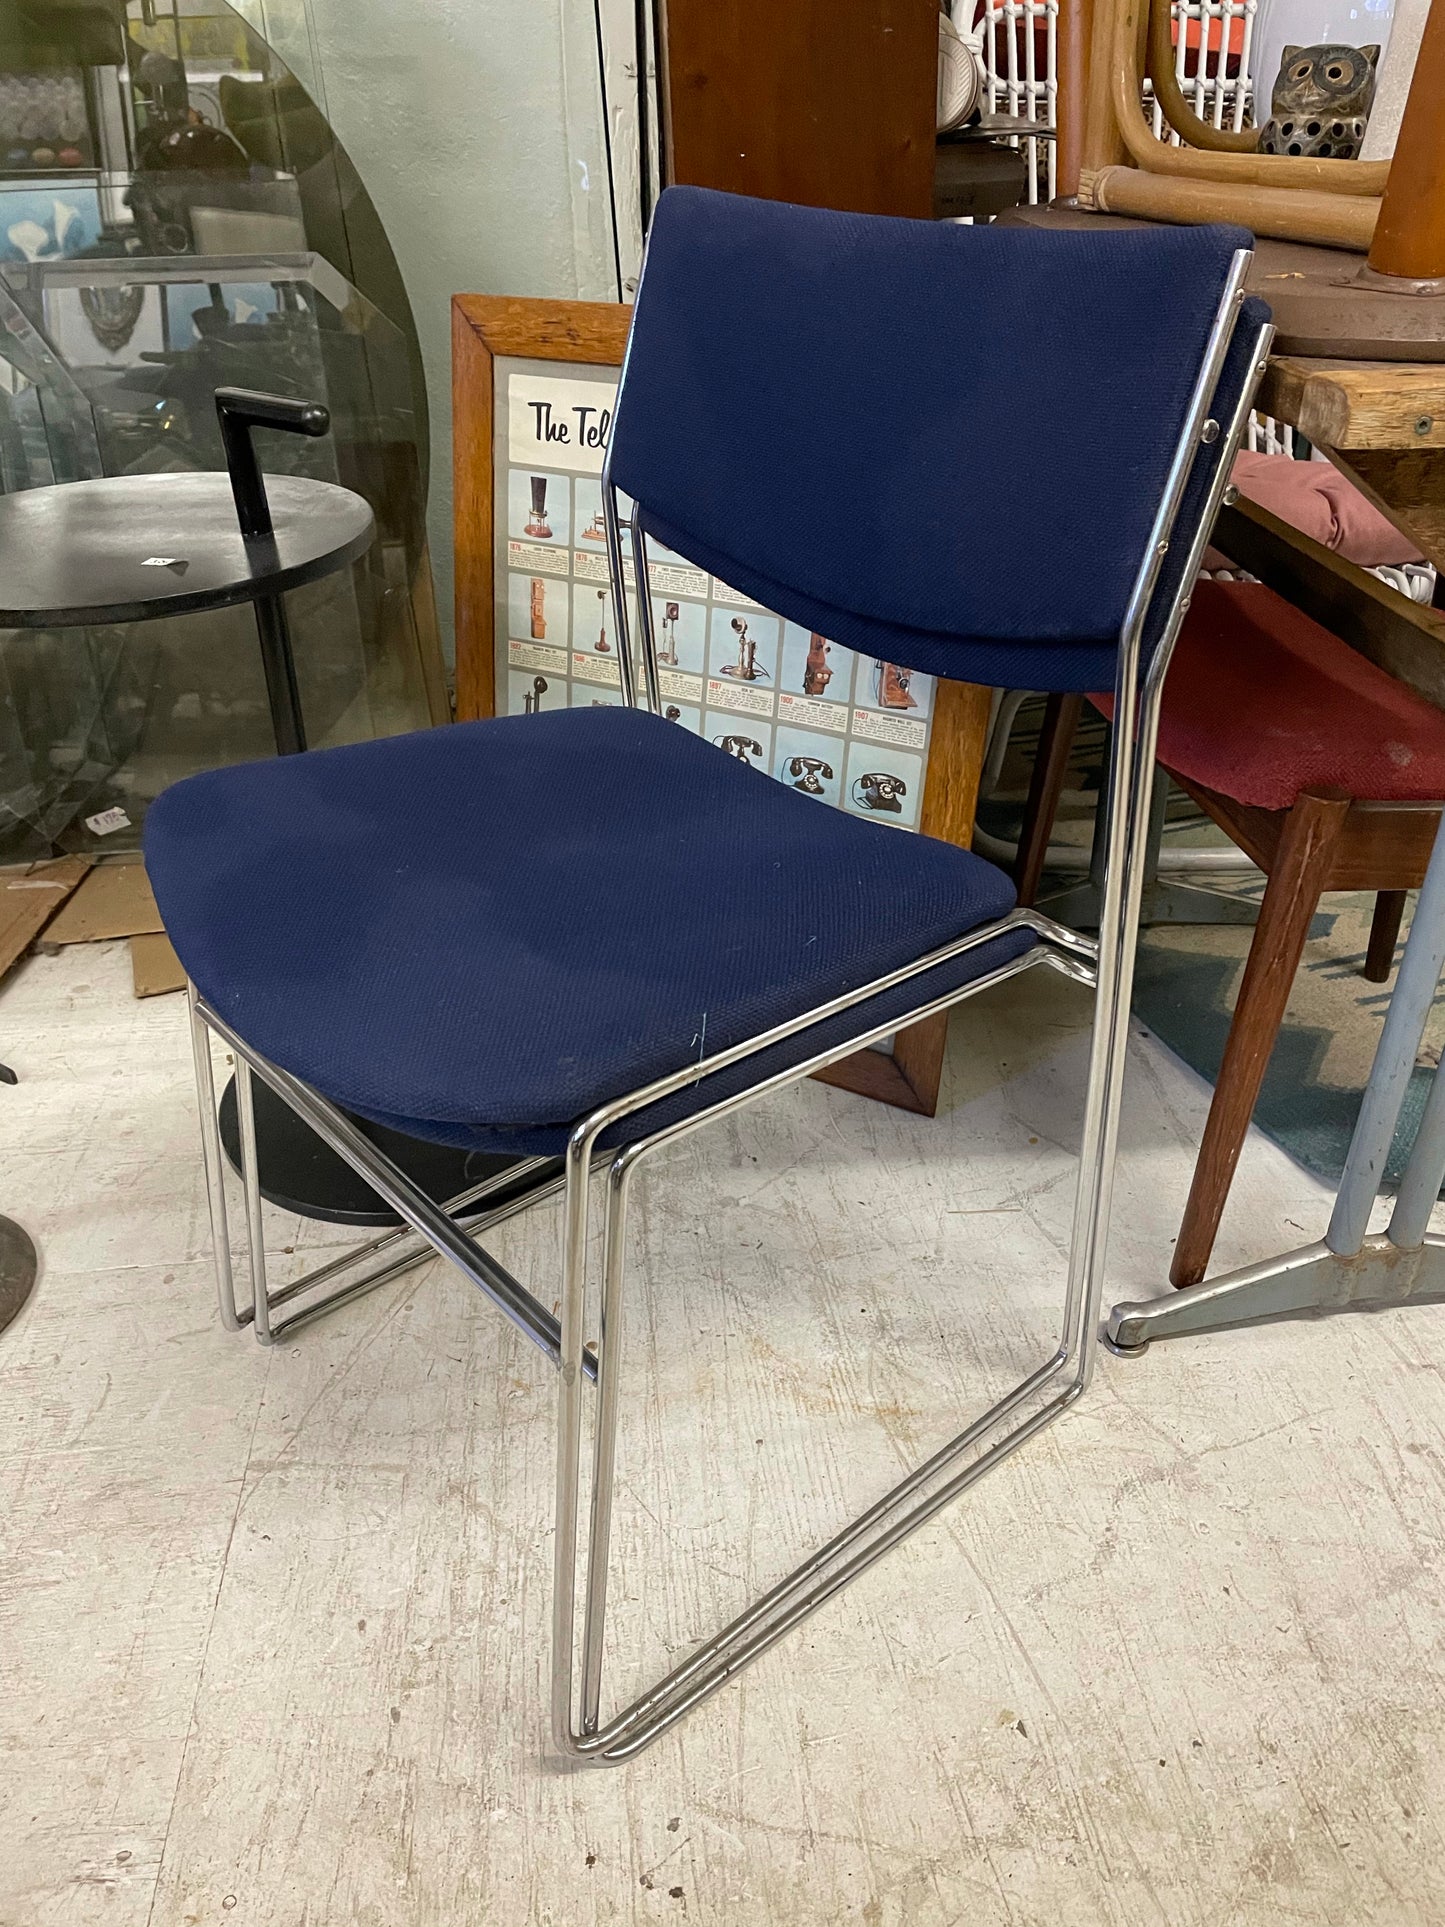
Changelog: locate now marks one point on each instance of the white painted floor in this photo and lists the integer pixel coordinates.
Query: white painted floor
(273, 1625)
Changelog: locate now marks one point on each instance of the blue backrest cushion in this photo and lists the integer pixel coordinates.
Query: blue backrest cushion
(958, 431)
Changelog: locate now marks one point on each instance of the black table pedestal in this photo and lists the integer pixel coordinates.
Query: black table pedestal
(297, 1172)
(17, 1270)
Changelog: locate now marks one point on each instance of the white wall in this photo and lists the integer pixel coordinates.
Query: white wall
(474, 124)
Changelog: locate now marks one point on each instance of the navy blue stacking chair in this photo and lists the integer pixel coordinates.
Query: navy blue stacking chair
(980, 453)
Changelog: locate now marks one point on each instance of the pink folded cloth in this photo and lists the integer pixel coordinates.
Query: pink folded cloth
(1316, 499)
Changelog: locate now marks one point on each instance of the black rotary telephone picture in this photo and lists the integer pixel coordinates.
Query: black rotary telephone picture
(877, 790)
(806, 770)
(743, 747)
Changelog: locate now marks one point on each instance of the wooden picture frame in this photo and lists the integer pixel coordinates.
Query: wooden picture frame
(486, 328)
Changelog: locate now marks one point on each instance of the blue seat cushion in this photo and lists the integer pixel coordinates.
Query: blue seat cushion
(479, 933)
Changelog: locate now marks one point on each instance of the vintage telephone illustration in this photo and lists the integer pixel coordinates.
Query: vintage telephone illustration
(743, 747)
(531, 704)
(816, 672)
(877, 790)
(745, 669)
(602, 647)
(667, 644)
(806, 770)
(595, 530)
(894, 686)
(672, 714)
(537, 523)
(539, 609)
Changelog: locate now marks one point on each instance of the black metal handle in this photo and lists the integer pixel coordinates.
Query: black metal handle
(239, 410)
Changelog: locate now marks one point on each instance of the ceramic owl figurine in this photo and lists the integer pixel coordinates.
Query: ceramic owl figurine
(1321, 101)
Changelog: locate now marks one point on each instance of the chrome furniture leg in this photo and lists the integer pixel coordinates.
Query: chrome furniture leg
(1346, 1271)
(214, 1167)
(1053, 1385)
(251, 1182)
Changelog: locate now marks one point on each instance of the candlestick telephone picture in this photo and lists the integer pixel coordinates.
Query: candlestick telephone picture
(743, 646)
(681, 631)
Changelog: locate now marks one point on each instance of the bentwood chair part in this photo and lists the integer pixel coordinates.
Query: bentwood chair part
(367, 936)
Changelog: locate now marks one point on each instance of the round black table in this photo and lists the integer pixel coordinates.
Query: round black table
(130, 548)
(133, 547)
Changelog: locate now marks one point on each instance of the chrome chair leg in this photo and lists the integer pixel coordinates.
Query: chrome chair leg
(251, 1180)
(1126, 835)
(604, 1447)
(213, 1163)
(1050, 1388)
(849, 1553)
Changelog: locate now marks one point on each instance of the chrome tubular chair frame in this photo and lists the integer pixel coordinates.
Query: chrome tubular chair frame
(579, 1731)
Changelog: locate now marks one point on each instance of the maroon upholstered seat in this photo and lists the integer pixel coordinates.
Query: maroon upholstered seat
(1280, 732)
(1261, 703)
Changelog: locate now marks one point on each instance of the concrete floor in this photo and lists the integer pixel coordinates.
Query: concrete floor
(273, 1625)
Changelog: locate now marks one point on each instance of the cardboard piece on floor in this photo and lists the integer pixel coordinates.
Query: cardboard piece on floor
(29, 897)
(154, 966)
(114, 901)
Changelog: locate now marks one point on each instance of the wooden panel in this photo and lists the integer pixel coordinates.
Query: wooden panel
(1408, 485)
(955, 761)
(1386, 846)
(1255, 830)
(483, 327)
(1383, 846)
(1396, 634)
(804, 100)
(879, 1075)
(1358, 404)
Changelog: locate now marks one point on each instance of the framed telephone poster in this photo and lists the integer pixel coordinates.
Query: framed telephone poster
(534, 384)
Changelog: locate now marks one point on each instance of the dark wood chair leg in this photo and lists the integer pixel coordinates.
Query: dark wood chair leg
(1056, 740)
(1297, 875)
(1384, 935)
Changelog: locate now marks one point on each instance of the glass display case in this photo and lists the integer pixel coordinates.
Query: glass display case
(176, 215)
